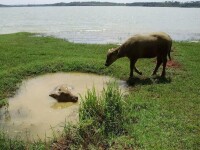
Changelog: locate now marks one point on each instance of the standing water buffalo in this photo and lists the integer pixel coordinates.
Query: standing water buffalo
(143, 46)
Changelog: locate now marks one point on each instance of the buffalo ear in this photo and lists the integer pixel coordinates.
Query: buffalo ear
(111, 50)
(119, 54)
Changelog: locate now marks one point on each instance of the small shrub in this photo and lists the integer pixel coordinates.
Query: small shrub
(101, 118)
(105, 110)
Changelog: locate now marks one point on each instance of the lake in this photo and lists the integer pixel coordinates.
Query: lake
(101, 24)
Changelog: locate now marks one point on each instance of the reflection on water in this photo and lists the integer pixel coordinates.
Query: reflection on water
(32, 112)
(62, 105)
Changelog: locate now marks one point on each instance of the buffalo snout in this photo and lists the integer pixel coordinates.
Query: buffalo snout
(106, 64)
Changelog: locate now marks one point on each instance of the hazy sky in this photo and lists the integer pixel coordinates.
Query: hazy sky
(66, 1)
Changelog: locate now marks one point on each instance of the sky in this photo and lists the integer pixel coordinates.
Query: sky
(8, 2)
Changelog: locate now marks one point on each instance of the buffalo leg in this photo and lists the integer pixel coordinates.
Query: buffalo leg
(132, 64)
(159, 61)
(136, 70)
(164, 66)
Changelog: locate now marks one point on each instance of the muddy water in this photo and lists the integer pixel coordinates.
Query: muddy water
(33, 114)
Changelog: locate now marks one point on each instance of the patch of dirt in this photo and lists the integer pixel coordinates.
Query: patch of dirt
(173, 64)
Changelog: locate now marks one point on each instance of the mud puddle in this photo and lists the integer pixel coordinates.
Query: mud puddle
(33, 114)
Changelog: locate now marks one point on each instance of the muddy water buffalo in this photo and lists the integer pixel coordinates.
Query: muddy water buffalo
(143, 46)
(62, 93)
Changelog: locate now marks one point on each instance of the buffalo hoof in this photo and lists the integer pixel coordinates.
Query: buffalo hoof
(163, 76)
(140, 73)
(130, 77)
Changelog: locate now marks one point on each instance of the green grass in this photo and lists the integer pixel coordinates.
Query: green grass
(161, 114)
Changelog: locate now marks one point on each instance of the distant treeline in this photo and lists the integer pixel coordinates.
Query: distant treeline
(69, 4)
(166, 4)
(88, 4)
(143, 4)
(2, 5)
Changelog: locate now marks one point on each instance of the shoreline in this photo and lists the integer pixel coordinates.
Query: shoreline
(100, 42)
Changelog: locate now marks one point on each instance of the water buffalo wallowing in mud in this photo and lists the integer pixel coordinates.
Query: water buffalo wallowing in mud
(143, 46)
(62, 93)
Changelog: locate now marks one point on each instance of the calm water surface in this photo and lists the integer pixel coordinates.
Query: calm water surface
(101, 24)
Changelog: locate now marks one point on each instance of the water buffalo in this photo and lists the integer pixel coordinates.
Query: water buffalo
(62, 93)
(143, 46)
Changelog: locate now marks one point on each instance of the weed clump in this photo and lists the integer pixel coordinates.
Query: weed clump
(101, 118)
(106, 110)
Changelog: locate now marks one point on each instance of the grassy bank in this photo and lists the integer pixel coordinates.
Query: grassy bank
(165, 113)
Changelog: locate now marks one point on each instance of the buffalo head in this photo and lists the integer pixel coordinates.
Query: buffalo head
(112, 56)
